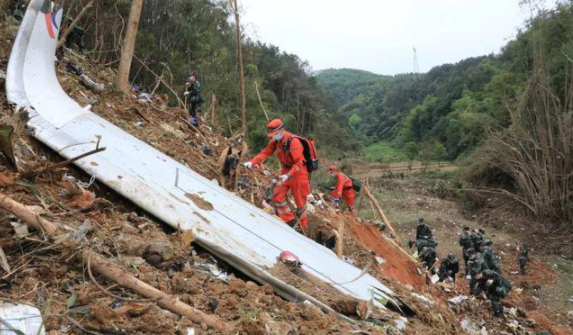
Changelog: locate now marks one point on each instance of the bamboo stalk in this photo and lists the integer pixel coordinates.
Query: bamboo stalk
(235, 8)
(261, 100)
(375, 203)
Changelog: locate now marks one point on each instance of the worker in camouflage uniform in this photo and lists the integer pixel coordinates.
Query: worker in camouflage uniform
(479, 237)
(466, 241)
(423, 231)
(476, 266)
(428, 257)
(194, 97)
(449, 267)
(421, 243)
(496, 288)
(490, 259)
(523, 258)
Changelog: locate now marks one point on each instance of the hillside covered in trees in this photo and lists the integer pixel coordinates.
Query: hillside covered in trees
(455, 104)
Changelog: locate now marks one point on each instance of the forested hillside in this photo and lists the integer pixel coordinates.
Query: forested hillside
(510, 113)
(454, 104)
(438, 105)
(179, 36)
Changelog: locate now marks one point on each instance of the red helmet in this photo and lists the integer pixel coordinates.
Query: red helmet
(333, 168)
(288, 257)
(274, 126)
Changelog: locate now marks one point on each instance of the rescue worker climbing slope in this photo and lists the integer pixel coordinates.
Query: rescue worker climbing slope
(294, 174)
(343, 188)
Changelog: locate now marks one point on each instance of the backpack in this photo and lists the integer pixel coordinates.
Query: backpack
(356, 185)
(504, 289)
(308, 151)
(466, 241)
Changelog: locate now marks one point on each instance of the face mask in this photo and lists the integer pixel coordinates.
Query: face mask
(278, 137)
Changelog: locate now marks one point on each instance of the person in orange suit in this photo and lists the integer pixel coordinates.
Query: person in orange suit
(294, 175)
(343, 188)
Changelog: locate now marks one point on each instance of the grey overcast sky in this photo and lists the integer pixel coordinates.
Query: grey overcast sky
(378, 35)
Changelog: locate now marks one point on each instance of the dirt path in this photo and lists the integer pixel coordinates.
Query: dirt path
(377, 170)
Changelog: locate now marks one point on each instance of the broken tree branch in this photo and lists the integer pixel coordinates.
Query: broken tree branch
(73, 24)
(375, 203)
(160, 78)
(111, 270)
(4, 261)
(261, 100)
(30, 174)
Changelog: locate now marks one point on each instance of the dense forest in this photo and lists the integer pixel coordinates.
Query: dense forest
(454, 105)
(506, 117)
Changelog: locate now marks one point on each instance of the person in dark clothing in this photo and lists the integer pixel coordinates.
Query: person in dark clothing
(194, 95)
(479, 237)
(523, 258)
(466, 241)
(428, 257)
(490, 259)
(496, 288)
(449, 267)
(423, 231)
(421, 243)
(18, 9)
(476, 267)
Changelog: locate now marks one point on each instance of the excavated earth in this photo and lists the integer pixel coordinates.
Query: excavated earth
(54, 278)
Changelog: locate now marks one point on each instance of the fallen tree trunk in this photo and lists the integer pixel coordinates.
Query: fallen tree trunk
(367, 192)
(110, 270)
(125, 279)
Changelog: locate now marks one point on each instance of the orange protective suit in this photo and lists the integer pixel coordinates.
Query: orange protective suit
(344, 190)
(292, 162)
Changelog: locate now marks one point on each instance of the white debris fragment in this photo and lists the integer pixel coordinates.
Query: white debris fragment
(20, 319)
(458, 300)
(422, 298)
(401, 323)
(20, 229)
(471, 328)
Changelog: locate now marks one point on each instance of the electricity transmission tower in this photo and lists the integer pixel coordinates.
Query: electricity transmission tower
(416, 67)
